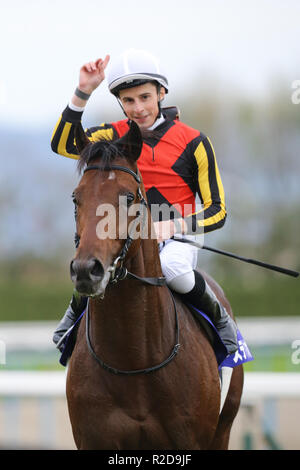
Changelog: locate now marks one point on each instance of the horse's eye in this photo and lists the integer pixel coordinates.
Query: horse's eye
(130, 198)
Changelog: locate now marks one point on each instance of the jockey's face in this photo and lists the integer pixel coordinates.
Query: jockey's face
(140, 104)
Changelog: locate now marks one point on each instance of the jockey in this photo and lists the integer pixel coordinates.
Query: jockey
(176, 163)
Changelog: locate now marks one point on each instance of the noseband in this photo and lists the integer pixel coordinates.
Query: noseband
(119, 272)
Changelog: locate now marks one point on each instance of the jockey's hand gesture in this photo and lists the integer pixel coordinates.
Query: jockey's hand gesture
(92, 74)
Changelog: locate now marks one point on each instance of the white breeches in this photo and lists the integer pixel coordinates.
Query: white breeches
(178, 261)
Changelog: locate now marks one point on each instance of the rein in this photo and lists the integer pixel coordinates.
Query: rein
(118, 273)
(148, 370)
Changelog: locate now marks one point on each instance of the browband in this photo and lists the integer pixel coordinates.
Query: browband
(114, 167)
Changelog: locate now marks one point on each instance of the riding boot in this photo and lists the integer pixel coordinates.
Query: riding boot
(74, 310)
(203, 298)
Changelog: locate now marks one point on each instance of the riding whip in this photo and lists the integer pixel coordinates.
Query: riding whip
(288, 272)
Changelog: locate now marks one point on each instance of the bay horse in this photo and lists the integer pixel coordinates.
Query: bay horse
(143, 374)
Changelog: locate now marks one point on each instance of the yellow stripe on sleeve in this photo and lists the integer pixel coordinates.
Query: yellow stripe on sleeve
(205, 188)
(62, 144)
(212, 220)
(202, 162)
(219, 181)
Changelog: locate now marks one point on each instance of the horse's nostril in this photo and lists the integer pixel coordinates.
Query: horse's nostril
(72, 270)
(97, 269)
(88, 269)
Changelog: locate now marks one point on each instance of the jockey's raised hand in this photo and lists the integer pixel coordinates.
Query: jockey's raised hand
(90, 76)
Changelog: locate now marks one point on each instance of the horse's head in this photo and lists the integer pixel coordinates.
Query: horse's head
(108, 189)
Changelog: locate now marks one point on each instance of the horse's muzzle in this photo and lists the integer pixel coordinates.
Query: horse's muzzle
(87, 275)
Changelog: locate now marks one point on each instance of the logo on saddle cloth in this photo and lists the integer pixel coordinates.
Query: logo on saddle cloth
(242, 355)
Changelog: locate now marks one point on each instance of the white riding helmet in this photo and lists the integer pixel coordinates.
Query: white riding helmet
(133, 68)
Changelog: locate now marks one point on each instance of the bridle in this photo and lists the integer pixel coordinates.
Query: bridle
(119, 272)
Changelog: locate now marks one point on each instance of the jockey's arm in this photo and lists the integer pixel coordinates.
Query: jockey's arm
(90, 77)
(212, 214)
(63, 137)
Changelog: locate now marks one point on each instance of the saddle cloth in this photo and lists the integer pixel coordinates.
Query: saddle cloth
(242, 355)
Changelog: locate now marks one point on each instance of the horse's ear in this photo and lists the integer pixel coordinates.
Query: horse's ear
(81, 139)
(131, 143)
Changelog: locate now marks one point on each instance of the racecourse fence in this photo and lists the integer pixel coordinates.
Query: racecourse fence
(33, 408)
(33, 411)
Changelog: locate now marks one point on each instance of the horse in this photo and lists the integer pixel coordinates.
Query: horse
(143, 374)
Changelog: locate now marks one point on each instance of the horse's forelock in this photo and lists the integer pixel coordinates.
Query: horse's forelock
(104, 150)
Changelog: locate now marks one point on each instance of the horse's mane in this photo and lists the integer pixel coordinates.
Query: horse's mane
(106, 150)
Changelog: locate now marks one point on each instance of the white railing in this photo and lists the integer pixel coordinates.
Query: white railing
(260, 385)
(52, 384)
(32, 384)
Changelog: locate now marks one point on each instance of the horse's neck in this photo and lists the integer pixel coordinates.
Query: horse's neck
(134, 318)
(146, 263)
